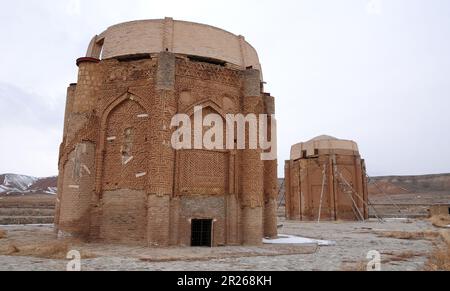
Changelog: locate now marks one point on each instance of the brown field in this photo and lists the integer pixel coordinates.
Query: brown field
(440, 220)
(28, 201)
(28, 209)
(420, 235)
(3, 234)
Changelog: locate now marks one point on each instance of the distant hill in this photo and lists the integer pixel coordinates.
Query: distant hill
(13, 184)
(409, 184)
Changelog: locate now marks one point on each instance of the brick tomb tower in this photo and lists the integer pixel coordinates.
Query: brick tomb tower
(326, 180)
(122, 181)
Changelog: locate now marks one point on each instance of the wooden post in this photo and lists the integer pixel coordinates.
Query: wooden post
(324, 172)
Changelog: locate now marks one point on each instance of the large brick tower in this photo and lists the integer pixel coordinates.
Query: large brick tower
(326, 180)
(120, 178)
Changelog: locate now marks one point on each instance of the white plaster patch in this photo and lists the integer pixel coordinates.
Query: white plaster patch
(128, 160)
(140, 175)
(74, 186)
(111, 138)
(84, 148)
(86, 169)
(143, 116)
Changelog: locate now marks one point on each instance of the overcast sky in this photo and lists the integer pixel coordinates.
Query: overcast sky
(374, 71)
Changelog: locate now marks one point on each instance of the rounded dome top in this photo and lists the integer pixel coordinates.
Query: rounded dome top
(323, 142)
(179, 37)
(322, 138)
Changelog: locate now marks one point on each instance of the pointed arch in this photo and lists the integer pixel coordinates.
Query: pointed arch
(106, 113)
(124, 97)
(205, 104)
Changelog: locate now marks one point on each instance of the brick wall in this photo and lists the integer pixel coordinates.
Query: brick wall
(138, 189)
(158, 220)
(344, 185)
(77, 188)
(124, 216)
(203, 208)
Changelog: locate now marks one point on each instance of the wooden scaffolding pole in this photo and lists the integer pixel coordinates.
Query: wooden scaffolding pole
(324, 177)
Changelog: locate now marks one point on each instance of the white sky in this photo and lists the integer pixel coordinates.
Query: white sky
(378, 74)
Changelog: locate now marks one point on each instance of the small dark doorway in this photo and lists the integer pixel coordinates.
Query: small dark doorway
(202, 233)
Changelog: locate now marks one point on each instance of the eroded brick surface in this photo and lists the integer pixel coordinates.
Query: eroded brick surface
(326, 180)
(121, 180)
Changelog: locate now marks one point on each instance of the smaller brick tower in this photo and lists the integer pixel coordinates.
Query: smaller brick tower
(326, 181)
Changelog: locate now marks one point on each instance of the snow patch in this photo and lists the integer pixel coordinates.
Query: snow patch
(19, 182)
(51, 190)
(25, 185)
(296, 240)
(396, 219)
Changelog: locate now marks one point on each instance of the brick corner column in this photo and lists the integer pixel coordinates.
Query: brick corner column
(252, 168)
(162, 157)
(287, 189)
(270, 178)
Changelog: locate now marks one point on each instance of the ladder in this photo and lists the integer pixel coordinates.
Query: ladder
(384, 194)
(284, 194)
(352, 191)
(346, 188)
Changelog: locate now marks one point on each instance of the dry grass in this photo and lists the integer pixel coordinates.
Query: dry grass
(26, 212)
(439, 259)
(3, 234)
(445, 234)
(355, 267)
(56, 249)
(339, 221)
(440, 220)
(420, 235)
(400, 257)
(388, 257)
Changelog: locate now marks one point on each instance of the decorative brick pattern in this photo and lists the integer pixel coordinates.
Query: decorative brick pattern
(208, 72)
(121, 180)
(203, 172)
(127, 148)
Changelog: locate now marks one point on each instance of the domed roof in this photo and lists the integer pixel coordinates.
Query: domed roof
(323, 137)
(323, 142)
(179, 37)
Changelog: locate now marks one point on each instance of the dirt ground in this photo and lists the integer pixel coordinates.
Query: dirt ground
(353, 242)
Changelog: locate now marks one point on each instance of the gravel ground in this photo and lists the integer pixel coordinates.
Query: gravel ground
(353, 242)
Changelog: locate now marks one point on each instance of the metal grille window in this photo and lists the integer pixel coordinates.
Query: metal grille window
(202, 233)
